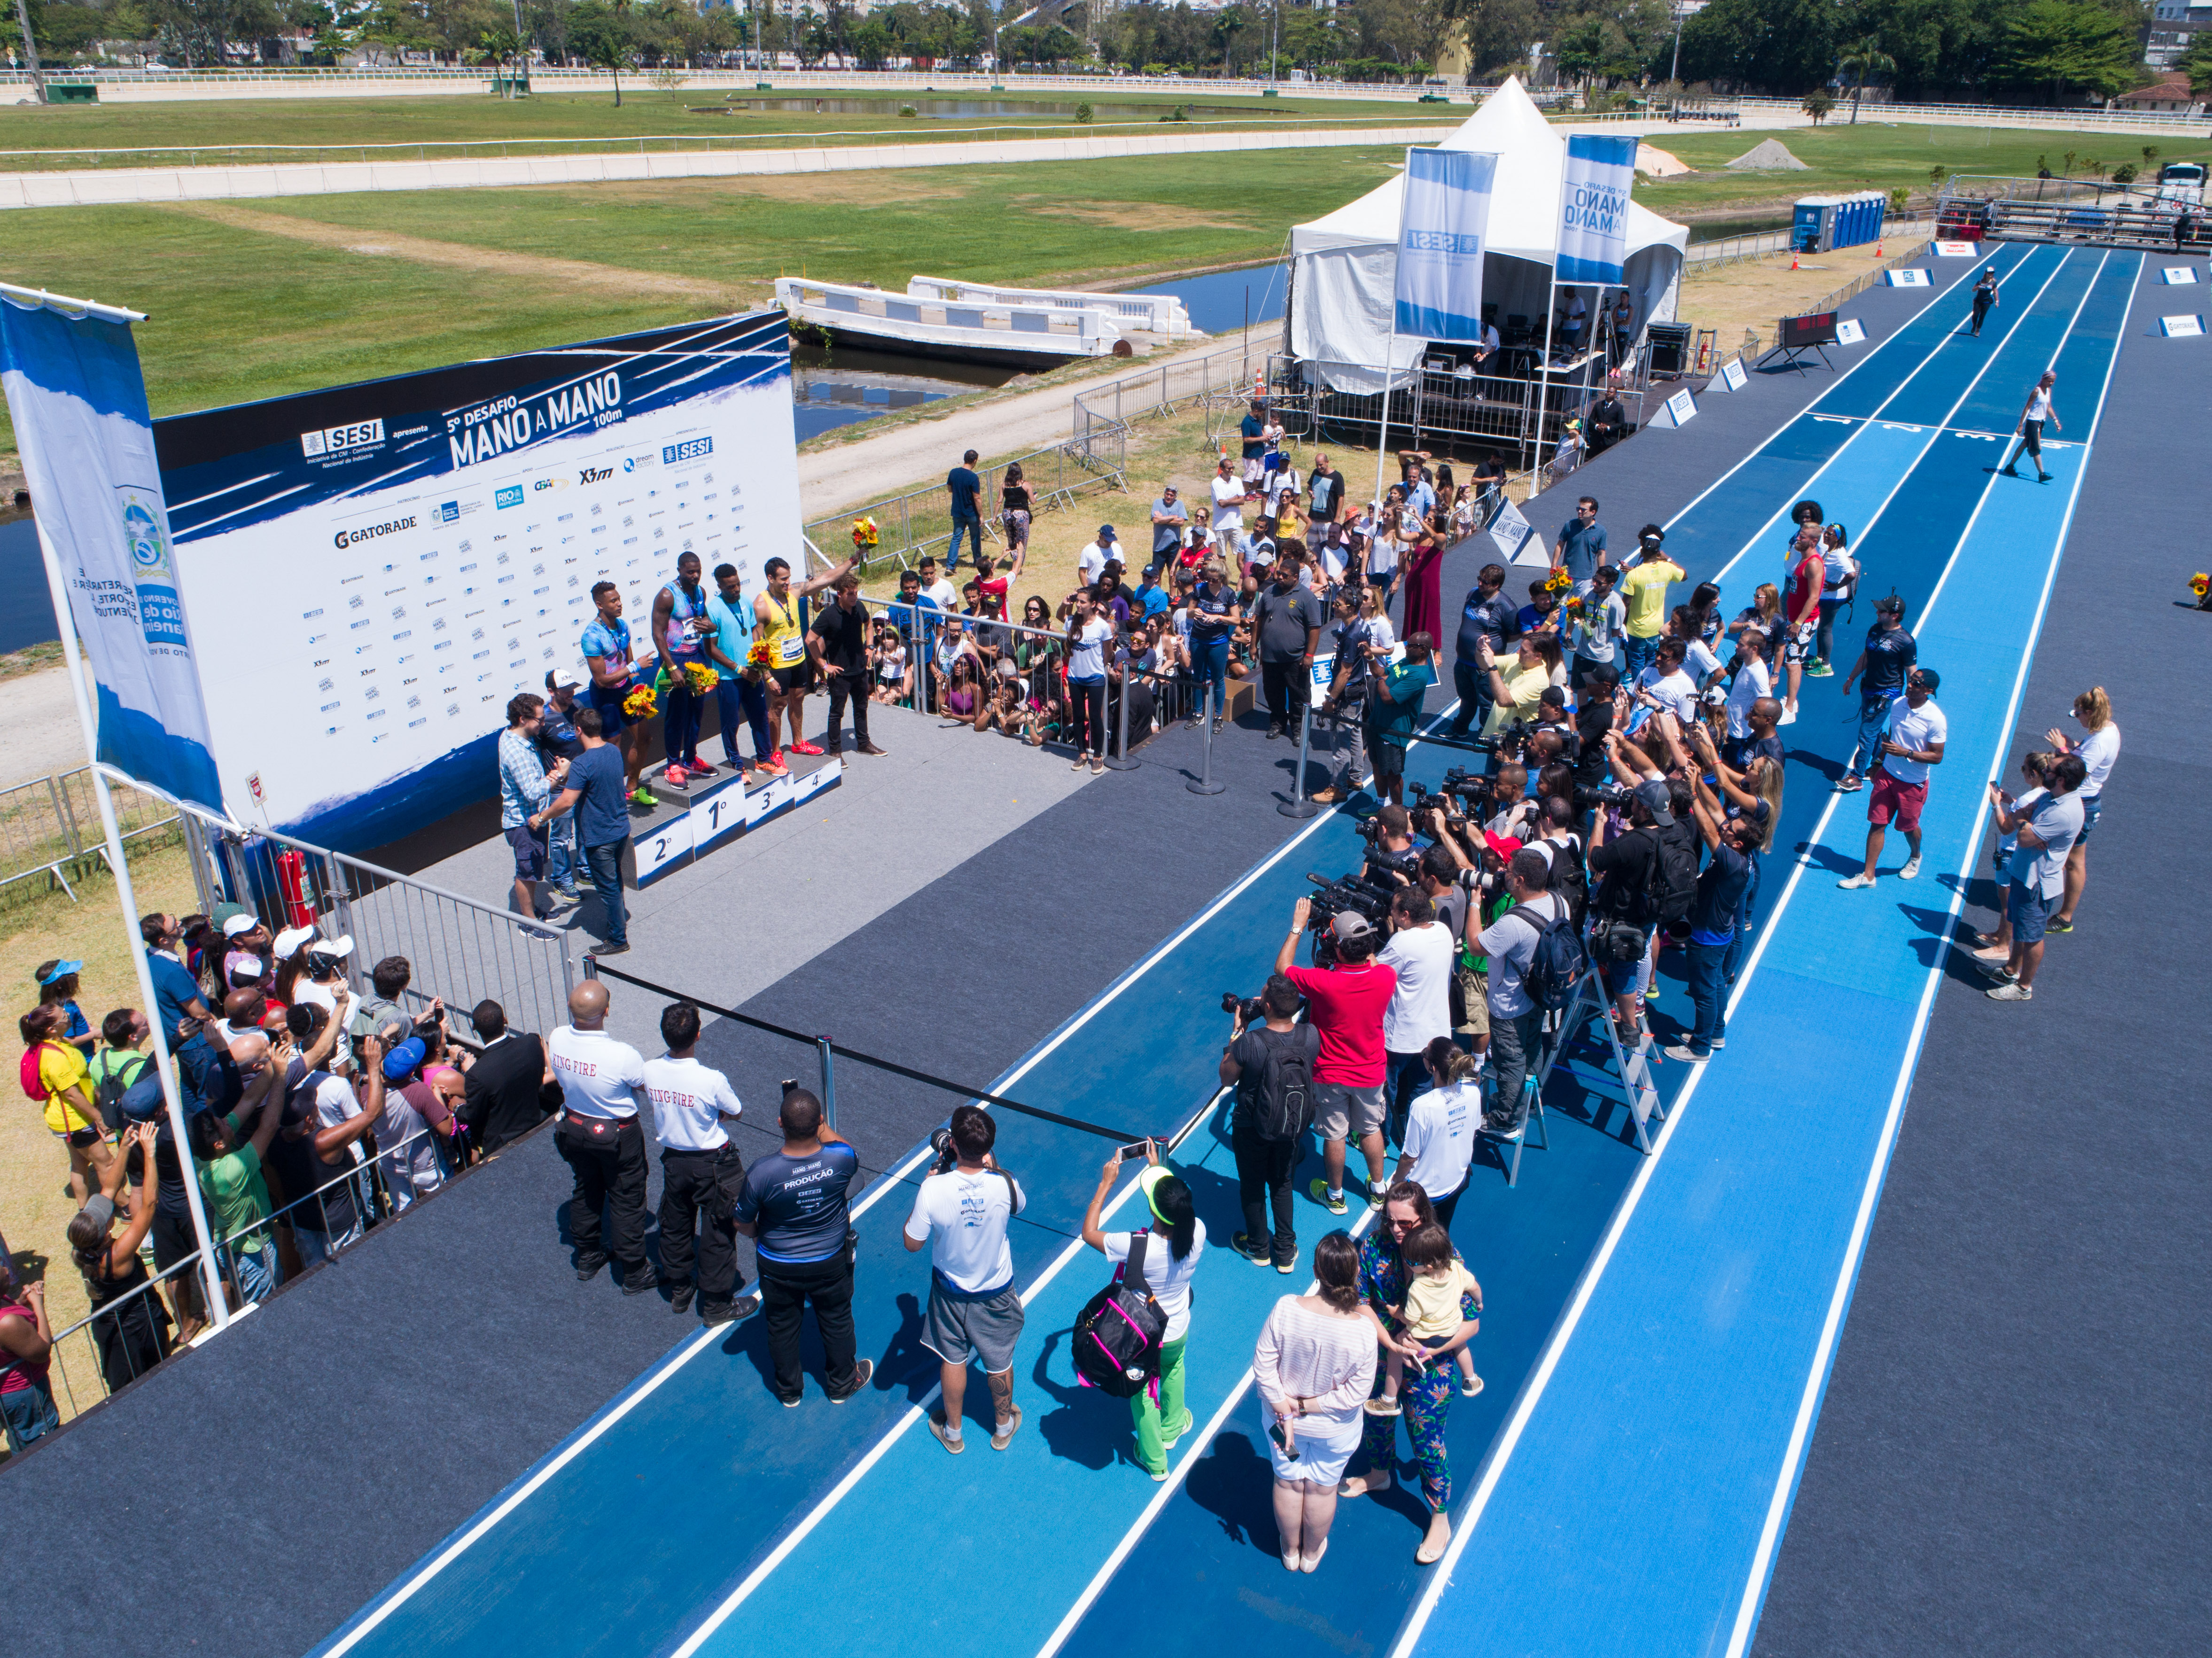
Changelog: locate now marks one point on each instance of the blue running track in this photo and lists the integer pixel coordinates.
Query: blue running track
(1658, 1329)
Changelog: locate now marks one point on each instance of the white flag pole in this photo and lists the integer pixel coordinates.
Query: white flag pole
(27, 438)
(1551, 309)
(1390, 351)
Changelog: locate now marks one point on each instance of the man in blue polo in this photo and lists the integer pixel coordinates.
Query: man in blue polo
(1581, 547)
(793, 1207)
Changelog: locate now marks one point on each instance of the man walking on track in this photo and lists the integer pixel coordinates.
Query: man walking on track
(1985, 298)
(2038, 410)
(1910, 742)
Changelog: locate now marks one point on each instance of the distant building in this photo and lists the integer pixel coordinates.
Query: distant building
(2173, 24)
(2167, 95)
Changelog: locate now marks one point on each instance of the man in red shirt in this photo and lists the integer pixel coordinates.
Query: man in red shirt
(1803, 609)
(1344, 1004)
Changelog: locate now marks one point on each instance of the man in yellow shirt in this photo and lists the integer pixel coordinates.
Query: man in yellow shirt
(1643, 590)
(1518, 687)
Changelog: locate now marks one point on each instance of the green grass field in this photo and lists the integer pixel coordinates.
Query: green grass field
(1875, 156)
(646, 112)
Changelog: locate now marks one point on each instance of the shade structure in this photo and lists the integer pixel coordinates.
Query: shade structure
(1344, 266)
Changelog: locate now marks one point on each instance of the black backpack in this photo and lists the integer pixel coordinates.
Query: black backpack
(114, 1083)
(1556, 967)
(1118, 1332)
(1674, 877)
(1282, 1100)
(1569, 880)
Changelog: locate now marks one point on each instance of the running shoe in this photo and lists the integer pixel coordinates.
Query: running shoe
(1912, 868)
(1258, 1255)
(1335, 1206)
(806, 748)
(2052, 925)
(642, 796)
(2011, 991)
(1789, 717)
(567, 894)
(773, 765)
(677, 777)
(1856, 882)
(1169, 1441)
(1819, 669)
(1687, 1055)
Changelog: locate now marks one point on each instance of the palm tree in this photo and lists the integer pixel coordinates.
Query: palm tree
(1863, 58)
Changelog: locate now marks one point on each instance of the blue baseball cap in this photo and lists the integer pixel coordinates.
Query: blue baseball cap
(404, 1059)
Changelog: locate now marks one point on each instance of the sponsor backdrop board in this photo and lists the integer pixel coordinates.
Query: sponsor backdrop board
(371, 571)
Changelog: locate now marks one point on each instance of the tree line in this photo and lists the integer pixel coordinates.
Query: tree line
(2001, 50)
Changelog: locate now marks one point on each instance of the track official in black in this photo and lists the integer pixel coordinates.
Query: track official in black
(839, 640)
(601, 1139)
(701, 1173)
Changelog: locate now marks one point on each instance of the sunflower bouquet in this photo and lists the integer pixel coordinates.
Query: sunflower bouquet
(700, 678)
(640, 703)
(1558, 583)
(864, 536)
(2201, 585)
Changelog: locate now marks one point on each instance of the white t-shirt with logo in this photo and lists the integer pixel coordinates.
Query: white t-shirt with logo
(1420, 1010)
(1168, 1278)
(1440, 1128)
(1676, 692)
(689, 1100)
(1917, 728)
(598, 1076)
(965, 1211)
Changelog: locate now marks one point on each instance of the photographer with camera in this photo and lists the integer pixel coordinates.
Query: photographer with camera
(794, 1207)
(1625, 910)
(1344, 1002)
(961, 1215)
(1714, 916)
(1273, 1064)
(1360, 639)
(1517, 1019)
(1392, 859)
(1487, 616)
(1394, 710)
(1419, 952)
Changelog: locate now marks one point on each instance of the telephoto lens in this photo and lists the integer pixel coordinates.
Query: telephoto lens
(940, 1142)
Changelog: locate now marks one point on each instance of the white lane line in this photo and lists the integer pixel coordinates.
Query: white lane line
(1138, 1527)
(2025, 313)
(568, 1453)
(1533, 1390)
(838, 1493)
(1755, 1592)
(1760, 448)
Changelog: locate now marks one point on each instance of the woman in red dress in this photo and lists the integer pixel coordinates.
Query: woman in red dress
(1422, 575)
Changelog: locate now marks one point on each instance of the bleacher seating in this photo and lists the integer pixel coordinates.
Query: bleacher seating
(2130, 224)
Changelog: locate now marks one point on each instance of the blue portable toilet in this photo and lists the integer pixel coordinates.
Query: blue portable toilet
(1813, 230)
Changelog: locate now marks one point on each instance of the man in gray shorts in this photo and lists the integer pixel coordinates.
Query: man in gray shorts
(961, 1215)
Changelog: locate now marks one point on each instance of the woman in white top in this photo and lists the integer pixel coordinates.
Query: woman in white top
(2097, 751)
(1315, 1367)
(1174, 1242)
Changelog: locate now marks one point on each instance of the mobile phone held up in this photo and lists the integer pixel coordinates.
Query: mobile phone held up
(1135, 1153)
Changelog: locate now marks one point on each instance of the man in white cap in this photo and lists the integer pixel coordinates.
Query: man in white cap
(324, 984)
(1345, 1003)
(244, 939)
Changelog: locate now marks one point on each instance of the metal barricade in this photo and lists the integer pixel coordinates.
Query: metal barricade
(456, 949)
(50, 826)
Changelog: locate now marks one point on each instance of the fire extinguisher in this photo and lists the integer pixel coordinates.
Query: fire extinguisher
(292, 881)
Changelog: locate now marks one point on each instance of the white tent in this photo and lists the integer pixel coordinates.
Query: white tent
(1344, 267)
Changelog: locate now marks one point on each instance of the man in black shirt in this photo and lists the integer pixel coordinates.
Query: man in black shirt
(1608, 423)
(1714, 916)
(839, 640)
(1325, 500)
(1287, 621)
(1626, 872)
(504, 1090)
(1889, 655)
(965, 485)
(1264, 1165)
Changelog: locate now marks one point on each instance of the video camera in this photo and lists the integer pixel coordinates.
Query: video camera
(1476, 791)
(1353, 894)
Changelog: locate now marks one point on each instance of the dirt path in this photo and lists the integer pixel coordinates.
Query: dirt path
(566, 273)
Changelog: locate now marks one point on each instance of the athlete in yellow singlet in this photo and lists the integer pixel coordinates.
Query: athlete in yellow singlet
(776, 619)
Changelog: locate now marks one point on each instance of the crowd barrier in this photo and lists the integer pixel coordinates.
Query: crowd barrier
(51, 826)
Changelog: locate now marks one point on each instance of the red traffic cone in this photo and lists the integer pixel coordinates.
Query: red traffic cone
(1793, 261)
(1877, 247)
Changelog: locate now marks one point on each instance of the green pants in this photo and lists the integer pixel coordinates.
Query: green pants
(1152, 1449)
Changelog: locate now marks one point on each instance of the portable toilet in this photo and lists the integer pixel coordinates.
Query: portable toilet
(1814, 227)
(1859, 218)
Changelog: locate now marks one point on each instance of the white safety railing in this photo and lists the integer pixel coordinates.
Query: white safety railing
(1161, 313)
(1985, 115)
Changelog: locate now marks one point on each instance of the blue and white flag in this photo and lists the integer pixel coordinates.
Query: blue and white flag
(79, 404)
(1442, 235)
(1593, 209)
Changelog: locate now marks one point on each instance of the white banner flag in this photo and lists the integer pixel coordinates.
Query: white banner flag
(79, 404)
(1514, 535)
(1593, 209)
(1441, 233)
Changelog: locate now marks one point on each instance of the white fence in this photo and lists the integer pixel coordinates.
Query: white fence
(1161, 313)
(1991, 115)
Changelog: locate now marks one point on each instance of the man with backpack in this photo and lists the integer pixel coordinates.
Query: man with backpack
(1273, 1065)
(1646, 878)
(1525, 947)
(1713, 919)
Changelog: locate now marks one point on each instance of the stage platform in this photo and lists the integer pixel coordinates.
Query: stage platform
(512, 1459)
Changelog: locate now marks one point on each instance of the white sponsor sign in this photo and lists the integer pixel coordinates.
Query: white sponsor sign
(1848, 332)
(1440, 240)
(1899, 278)
(1955, 249)
(2178, 276)
(1677, 410)
(2176, 327)
(1732, 375)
